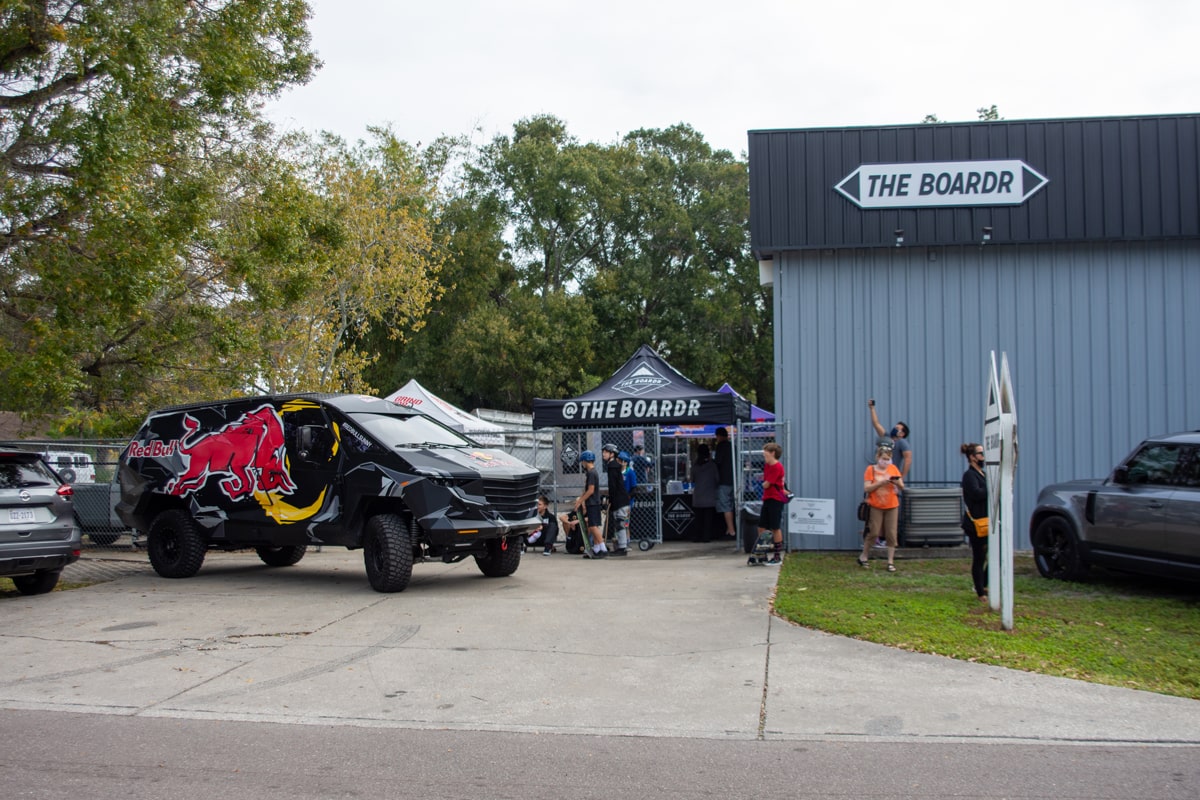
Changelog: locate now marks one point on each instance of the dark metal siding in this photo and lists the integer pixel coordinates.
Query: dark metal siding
(1130, 179)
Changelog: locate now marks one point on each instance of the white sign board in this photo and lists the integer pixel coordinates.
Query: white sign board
(942, 184)
(1000, 455)
(811, 516)
(1008, 470)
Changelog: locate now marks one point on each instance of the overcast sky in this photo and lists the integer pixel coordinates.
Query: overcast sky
(610, 67)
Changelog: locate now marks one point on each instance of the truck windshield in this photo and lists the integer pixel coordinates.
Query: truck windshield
(399, 431)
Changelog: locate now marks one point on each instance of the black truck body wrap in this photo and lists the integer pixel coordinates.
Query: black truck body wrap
(290, 471)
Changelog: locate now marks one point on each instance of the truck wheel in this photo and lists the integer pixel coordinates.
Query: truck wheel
(68, 475)
(281, 556)
(387, 553)
(40, 582)
(1056, 550)
(500, 561)
(175, 545)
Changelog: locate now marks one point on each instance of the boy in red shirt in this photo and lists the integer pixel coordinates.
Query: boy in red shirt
(771, 518)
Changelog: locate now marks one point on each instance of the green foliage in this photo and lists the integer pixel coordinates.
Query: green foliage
(983, 113)
(128, 129)
(562, 258)
(1115, 630)
(159, 243)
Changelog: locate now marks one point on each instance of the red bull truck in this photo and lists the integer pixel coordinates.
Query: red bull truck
(280, 474)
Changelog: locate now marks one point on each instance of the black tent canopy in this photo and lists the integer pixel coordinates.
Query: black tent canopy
(646, 390)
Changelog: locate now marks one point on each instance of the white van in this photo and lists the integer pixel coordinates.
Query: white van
(72, 467)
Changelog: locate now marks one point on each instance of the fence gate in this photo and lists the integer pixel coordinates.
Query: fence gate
(556, 455)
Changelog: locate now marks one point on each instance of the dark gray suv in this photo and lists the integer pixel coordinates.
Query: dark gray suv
(38, 534)
(1144, 517)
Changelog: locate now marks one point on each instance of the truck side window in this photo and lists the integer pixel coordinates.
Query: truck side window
(309, 439)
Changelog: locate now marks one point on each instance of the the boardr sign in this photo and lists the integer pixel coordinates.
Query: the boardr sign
(942, 184)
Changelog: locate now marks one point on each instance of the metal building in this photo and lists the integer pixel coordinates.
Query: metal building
(902, 256)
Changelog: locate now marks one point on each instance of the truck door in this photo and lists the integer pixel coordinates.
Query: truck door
(313, 457)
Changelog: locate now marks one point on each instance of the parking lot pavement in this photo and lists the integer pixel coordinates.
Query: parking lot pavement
(678, 641)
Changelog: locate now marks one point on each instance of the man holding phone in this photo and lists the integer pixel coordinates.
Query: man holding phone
(900, 443)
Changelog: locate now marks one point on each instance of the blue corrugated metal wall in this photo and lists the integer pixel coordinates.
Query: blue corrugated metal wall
(1101, 340)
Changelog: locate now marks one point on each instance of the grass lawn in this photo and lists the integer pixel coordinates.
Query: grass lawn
(1113, 628)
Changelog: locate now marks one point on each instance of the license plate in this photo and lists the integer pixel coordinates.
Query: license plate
(20, 515)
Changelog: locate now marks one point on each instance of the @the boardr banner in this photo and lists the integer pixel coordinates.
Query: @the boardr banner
(646, 390)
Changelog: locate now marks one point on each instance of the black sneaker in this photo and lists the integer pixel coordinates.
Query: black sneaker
(600, 554)
(621, 551)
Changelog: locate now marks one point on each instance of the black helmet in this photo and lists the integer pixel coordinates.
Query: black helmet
(611, 448)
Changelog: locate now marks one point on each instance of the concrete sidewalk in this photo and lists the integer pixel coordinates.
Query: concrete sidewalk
(678, 641)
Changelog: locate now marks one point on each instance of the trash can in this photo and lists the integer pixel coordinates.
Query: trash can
(932, 516)
(748, 524)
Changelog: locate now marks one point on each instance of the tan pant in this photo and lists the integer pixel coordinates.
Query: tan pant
(883, 523)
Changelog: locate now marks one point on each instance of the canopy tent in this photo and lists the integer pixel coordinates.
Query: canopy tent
(415, 396)
(708, 431)
(646, 390)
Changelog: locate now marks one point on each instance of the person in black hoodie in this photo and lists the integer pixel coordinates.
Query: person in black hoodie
(975, 498)
(618, 499)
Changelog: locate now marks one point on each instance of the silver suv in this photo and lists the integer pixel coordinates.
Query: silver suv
(38, 534)
(1144, 517)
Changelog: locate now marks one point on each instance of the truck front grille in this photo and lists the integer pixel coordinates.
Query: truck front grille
(513, 499)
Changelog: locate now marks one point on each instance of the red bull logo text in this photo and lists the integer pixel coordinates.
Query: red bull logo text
(248, 452)
(153, 449)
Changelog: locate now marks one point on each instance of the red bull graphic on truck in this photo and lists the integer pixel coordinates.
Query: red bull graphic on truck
(244, 459)
(249, 452)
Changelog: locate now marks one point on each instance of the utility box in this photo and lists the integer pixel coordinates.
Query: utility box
(932, 516)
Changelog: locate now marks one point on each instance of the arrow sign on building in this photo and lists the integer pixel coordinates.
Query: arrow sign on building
(942, 184)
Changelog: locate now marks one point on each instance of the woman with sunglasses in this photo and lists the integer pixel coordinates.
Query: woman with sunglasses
(975, 498)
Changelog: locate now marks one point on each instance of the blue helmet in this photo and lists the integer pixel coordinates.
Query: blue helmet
(587, 455)
(623, 456)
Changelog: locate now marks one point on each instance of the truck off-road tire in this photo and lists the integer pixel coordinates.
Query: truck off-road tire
(387, 553)
(281, 556)
(1056, 550)
(175, 544)
(40, 582)
(500, 561)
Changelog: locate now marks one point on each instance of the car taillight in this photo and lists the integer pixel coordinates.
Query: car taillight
(65, 491)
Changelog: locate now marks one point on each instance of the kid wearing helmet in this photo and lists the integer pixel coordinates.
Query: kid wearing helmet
(618, 499)
(589, 503)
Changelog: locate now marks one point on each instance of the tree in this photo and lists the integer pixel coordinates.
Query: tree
(491, 338)
(378, 269)
(126, 132)
(678, 274)
(983, 113)
(559, 196)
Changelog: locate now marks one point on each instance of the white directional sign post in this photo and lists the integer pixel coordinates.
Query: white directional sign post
(1000, 453)
(1008, 473)
(991, 458)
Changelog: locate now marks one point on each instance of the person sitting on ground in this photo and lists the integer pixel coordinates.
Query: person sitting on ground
(548, 533)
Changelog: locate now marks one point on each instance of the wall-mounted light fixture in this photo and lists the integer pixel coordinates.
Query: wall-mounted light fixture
(766, 271)
(987, 234)
(899, 236)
